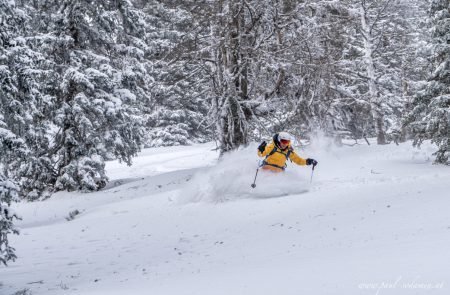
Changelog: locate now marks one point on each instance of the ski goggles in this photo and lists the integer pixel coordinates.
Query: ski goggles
(285, 141)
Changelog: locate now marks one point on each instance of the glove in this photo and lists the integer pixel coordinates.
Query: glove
(311, 162)
(262, 146)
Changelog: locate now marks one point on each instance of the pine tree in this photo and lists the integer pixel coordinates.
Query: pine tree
(373, 63)
(11, 113)
(97, 113)
(357, 50)
(430, 116)
(92, 90)
(413, 58)
(8, 194)
(25, 104)
(177, 106)
(10, 148)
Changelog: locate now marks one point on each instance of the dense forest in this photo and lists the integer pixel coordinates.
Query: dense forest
(84, 82)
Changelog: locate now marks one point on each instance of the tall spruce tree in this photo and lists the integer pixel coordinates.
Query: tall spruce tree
(430, 116)
(25, 105)
(373, 63)
(96, 112)
(8, 194)
(11, 147)
(177, 106)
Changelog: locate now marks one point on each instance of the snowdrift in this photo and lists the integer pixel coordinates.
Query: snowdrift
(231, 177)
(373, 216)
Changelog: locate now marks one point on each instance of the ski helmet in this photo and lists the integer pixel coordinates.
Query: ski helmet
(284, 136)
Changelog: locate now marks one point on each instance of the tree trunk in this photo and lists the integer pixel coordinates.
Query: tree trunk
(374, 99)
(234, 127)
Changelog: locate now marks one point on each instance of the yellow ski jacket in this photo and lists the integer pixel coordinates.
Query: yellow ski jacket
(276, 157)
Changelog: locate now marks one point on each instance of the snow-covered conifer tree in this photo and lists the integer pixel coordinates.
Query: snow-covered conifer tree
(374, 64)
(8, 194)
(10, 148)
(25, 105)
(430, 116)
(177, 107)
(96, 114)
(359, 50)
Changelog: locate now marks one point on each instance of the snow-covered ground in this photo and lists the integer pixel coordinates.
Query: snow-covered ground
(375, 220)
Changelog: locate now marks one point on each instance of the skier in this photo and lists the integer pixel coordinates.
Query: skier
(278, 151)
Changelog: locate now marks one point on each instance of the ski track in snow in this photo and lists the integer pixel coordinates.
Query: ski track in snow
(374, 221)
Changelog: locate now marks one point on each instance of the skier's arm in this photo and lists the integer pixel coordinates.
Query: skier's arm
(267, 150)
(296, 159)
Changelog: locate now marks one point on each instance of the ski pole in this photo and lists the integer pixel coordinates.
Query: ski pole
(312, 173)
(254, 181)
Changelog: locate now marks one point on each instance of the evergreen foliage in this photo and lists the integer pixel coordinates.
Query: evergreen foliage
(88, 81)
(10, 148)
(8, 193)
(83, 82)
(430, 116)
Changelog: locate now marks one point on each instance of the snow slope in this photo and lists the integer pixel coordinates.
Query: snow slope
(374, 221)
